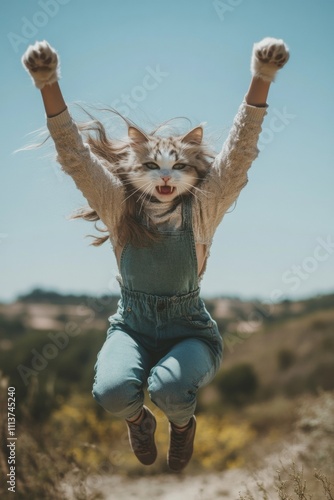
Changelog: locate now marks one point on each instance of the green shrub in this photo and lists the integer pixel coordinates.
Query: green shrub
(285, 359)
(238, 384)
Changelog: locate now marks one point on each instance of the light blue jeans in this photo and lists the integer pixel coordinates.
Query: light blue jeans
(169, 344)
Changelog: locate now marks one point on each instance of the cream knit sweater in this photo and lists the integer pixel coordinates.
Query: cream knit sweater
(104, 192)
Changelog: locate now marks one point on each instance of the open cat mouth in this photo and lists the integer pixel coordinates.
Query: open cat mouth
(165, 189)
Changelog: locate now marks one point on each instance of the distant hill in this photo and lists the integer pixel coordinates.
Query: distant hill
(41, 296)
(49, 310)
(282, 349)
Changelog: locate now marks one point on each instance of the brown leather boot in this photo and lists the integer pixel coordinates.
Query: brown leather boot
(141, 437)
(181, 445)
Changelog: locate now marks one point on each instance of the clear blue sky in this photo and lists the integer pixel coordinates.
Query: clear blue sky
(276, 237)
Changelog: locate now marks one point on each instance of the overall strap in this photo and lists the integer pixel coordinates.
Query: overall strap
(187, 213)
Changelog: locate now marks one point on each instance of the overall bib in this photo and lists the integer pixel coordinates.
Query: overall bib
(161, 335)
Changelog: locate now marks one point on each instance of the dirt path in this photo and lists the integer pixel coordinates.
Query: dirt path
(225, 485)
(312, 439)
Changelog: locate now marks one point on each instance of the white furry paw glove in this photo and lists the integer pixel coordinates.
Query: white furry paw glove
(268, 57)
(42, 63)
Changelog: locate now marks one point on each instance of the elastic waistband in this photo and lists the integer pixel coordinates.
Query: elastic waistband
(154, 300)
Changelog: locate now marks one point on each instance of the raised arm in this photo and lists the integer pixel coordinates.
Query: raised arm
(228, 174)
(268, 57)
(240, 148)
(257, 93)
(101, 189)
(42, 63)
(53, 100)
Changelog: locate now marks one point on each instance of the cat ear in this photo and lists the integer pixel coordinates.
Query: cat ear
(136, 135)
(195, 136)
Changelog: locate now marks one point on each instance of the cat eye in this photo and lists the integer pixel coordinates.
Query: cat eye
(179, 166)
(151, 165)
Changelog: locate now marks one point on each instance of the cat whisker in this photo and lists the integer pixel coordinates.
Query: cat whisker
(189, 191)
(195, 187)
(129, 196)
(205, 193)
(153, 189)
(136, 191)
(142, 198)
(144, 190)
(148, 186)
(144, 195)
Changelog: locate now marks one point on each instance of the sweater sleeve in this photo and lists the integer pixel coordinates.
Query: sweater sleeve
(102, 190)
(228, 174)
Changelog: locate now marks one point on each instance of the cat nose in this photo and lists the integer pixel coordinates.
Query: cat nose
(165, 178)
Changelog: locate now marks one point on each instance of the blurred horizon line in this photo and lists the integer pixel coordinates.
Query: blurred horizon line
(40, 291)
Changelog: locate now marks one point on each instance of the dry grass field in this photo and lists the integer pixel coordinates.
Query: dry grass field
(265, 424)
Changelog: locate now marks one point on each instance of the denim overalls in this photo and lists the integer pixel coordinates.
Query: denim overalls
(161, 335)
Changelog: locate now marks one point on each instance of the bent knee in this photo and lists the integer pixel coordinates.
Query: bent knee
(169, 391)
(116, 399)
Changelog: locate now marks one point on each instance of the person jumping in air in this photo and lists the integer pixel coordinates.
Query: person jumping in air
(161, 199)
